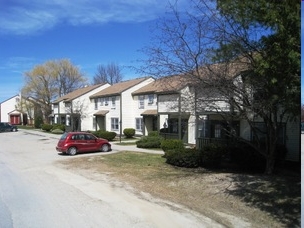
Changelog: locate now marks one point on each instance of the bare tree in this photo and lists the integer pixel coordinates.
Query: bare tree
(50, 80)
(237, 58)
(68, 76)
(110, 73)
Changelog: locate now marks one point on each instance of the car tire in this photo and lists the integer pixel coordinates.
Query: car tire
(72, 151)
(104, 148)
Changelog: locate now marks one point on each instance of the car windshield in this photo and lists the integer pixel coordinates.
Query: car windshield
(64, 136)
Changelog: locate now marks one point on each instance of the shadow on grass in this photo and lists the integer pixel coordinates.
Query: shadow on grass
(279, 196)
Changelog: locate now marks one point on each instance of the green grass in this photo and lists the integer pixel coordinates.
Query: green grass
(125, 143)
(25, 127)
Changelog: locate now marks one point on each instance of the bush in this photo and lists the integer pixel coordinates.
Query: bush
(211, 155)
(153, 133)
(46, 127)
(129, 132)
(59, 126)
(149, 142)
(57, 131)
(171, 144)
(186, 157)
(109, 135)
(247, 158)
(38, 122)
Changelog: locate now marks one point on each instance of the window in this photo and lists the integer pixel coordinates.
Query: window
(141, 100)
(106, 101)
(261, 133)
(94, 123)
(114, 124)
(150, 99)
(139, 124)
(89, 137)
(217, 131)
(101, 101)
(96, 103)
(113, 102)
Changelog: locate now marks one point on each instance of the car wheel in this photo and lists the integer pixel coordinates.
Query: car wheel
(14, 129)
(72, 151)
(104, 148)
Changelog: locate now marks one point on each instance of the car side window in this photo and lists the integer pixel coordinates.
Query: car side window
(89, 137)
(81, 137)
(74, 137)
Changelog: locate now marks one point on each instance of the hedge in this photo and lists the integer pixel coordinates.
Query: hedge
(109, 135)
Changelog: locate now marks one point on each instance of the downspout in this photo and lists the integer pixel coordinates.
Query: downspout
(120, 119)
(196, 117)
(179, 118)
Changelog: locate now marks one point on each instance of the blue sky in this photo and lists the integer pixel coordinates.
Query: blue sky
(88, 32)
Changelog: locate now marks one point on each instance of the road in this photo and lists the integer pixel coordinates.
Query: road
(36, 193)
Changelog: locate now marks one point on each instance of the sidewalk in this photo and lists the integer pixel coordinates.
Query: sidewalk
(115, 146)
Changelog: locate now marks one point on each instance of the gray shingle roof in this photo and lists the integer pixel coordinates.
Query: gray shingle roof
(118, 88)
(77, 93)
(169, 84)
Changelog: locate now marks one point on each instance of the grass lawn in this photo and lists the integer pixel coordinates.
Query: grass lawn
(255, 200)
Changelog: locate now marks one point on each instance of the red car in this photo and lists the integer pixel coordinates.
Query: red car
(77, 142)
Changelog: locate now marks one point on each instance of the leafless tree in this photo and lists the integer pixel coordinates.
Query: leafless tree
(110, 73)
(228, 59)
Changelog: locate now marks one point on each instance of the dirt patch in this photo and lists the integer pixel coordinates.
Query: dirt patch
(232, 199)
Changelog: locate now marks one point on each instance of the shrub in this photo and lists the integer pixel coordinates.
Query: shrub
(171, 144)
(247, 158)
(129, 132)
(59, 126)
(186, 157)
(149, 142)
(109, 135)
(211, 155)
(46, 127)
(153, 133)
(38, 122)
(57, 131)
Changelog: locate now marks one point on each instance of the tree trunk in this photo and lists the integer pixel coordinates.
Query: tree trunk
(270, 163)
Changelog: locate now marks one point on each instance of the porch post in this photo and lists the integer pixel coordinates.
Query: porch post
(179, 118)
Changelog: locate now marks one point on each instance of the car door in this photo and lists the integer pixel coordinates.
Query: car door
(91, 142)
(78, 140)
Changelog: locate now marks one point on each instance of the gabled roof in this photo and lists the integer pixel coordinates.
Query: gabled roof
(165, 85)
(118, 88)
(77, 93)
(17, 95)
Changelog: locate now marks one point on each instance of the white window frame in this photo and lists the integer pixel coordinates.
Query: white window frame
(101, 100)
(95, 103)
(141, 102)
(150, 99)
(113, 102)
(106, 101)
(114, 124)
(138, 124)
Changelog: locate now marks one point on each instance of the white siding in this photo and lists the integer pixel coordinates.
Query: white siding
(7, 107)
(128, 111)
(293, 141)
(14, 105)
(168, 103)
(130, 107)
(87, 107)
(139, 110)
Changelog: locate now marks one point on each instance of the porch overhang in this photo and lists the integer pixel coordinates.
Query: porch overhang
(101, 113)
(152, 112)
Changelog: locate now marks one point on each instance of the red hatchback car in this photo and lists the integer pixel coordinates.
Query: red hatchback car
(77, 142)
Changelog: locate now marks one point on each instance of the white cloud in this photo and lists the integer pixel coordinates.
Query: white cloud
(26, 17)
